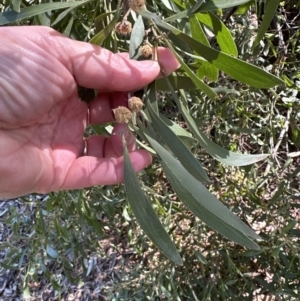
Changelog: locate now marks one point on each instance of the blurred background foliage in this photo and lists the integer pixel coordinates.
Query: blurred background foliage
(88, 245)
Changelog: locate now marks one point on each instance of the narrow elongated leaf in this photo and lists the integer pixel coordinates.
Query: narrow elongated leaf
(184, 82)
(198, 82)
(98, 21)
(16, 5)
(186, 137)
(221, 154)
(145, 214)
(26, 291)
(204, 7)
(43, 19)
(178, 148)
(183, 14)
(212, 148)
(168, 4)
(52, 252)
(236, 68)
(177, 82)
(103, 34)
(67, 31)
(270, 10)
(197, 31)
(61, 16)
(222, 33)
(176, 128)
(197, 5)
(31, 11)
(137, 36)
(202, 203)
(205, 69)
(221, 4)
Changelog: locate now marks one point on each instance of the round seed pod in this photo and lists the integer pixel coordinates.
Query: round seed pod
(135, 104)
(123, 27)
(146, 50)
(122, 114)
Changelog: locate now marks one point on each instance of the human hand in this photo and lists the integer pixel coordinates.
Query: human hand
(42, 119)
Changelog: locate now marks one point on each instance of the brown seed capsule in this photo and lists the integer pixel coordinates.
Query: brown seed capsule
(135, 104)
(146, 50)
(122, 114)
(123, 27)
(137, 5)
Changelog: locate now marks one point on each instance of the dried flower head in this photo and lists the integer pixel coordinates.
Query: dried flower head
(135, 104)
(122, 114)
(137, 5)
(146, 50)
(123, 27)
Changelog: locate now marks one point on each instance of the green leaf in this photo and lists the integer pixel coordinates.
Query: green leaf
(99, 20)
(243, 8)
(183, 14)
(184, 82)
(137, 37)
(177, 82)
(41, 222)
(103, 34)
(278, 194)
(198, 82)
(184, 136)
(221, 4)
(144, 213)
(97, 225)
(200, 257)
(237, 69)
(67, 31)
(61, 16)
(197, 31)
(197, 5)
(270, 10)
(43, 19)
(202, 203)
(16, 5)
(222, 33)
(216, 151)
(168, 4)
(208, 6)
(178, 148)
(52, 252)
(31, 11)
(54, 283)
(26, 292)
(205, 69)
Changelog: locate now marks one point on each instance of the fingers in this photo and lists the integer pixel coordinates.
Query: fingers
(112, 146)
(167, 61)
(100, 109)
(90, 171)
(104, 163)
(98, 68)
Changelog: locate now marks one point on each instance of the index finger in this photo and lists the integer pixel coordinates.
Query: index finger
(97, 68)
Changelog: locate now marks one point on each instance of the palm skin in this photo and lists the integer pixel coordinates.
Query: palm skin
(42, 119)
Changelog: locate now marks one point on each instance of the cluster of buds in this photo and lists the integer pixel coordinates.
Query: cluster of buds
(124, 114)
(123, 27)
(146, 50)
